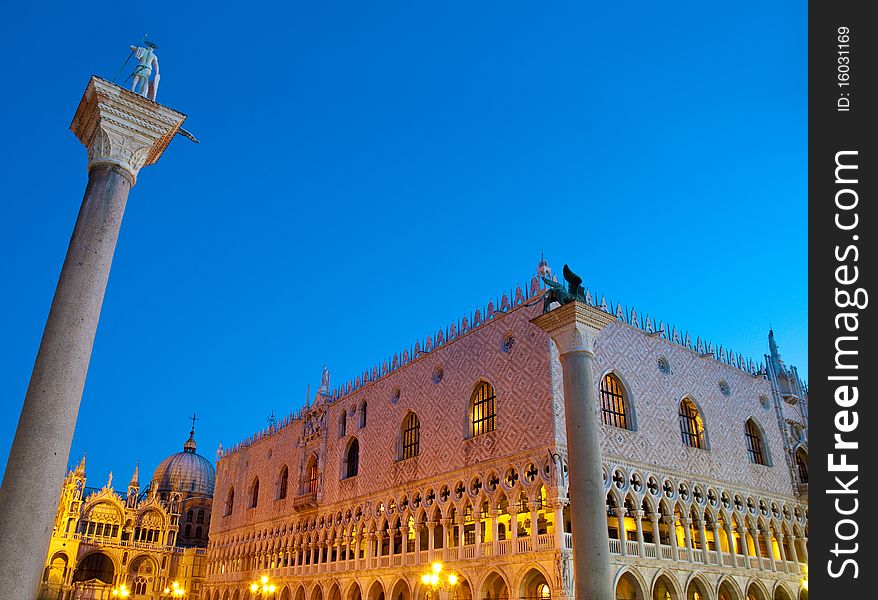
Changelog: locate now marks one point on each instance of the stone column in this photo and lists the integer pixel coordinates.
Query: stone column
(730, 537)
(558, 517)
(495, 531)
(623, 536)
(477, 532)
(534, 530)
(431, 539)
(656, 534)
(783, 553)
(671, 520)
(404, 542)
(718, 543)
(123, 132)
(702, 536)
(574, 327)
(754, 533)
(638, 516)
(766, 533)
(446, 537)
(794, 551)
(690, 551)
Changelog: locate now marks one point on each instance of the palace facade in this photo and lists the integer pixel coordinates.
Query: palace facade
(141, 542)
(454, 451)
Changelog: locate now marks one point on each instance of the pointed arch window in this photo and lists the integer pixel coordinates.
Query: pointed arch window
(614, 402)
(691, 425)
(312, 476)
(254, 493)
(802, 465)
(363, 408)
(484, 409)
(282, 482)
(411, 436)
(230, 501)
(755, 450)
(352, 459)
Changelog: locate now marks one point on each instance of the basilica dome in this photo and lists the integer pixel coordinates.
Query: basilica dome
(185, 472)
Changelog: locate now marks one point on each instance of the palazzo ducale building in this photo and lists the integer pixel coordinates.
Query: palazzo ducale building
(453, 451)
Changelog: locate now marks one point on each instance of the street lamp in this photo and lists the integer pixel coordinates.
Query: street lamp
(435, 580)
(121, 592)
(175, 591)
(263, 587)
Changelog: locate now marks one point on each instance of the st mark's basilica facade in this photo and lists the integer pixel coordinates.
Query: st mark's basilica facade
(453, 451)
(140, 542)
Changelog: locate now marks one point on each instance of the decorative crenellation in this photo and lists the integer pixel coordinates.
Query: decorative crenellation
(520, 296)
(122, 128)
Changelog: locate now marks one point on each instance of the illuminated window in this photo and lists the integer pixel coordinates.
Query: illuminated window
(754, 443)
(691, 425)
(613, 402)
(543, 592)
(313, 476)
(411, 436)
(484, 409)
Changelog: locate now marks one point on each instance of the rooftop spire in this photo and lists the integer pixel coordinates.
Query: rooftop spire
(135, 478)
(543, 268)
(80, 470)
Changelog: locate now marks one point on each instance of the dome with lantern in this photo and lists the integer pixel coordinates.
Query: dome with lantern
(185, 472)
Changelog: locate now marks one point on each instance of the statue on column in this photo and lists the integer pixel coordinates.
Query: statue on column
(146, 60)
(556, 292)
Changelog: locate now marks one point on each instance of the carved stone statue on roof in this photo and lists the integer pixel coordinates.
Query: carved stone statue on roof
(324, 382)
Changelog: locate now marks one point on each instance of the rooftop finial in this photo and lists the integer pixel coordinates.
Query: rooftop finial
(189, 446)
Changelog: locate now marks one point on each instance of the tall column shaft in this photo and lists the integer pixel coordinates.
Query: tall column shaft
(574, 327)
(122, 132)
(48, 417)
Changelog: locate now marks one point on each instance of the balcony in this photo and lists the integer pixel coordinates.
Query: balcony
(305, 501)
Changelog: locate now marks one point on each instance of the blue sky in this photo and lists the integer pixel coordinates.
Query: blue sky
(369, 172)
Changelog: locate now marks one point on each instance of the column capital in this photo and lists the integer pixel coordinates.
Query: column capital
(573, 326)
(122, 128)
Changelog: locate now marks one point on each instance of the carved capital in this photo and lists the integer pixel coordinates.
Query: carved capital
(121, 128)
(574, 326)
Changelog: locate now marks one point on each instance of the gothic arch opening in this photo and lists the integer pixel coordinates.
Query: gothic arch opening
(535, 586)
(664, 589)
(495, 588)
(628, 588)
